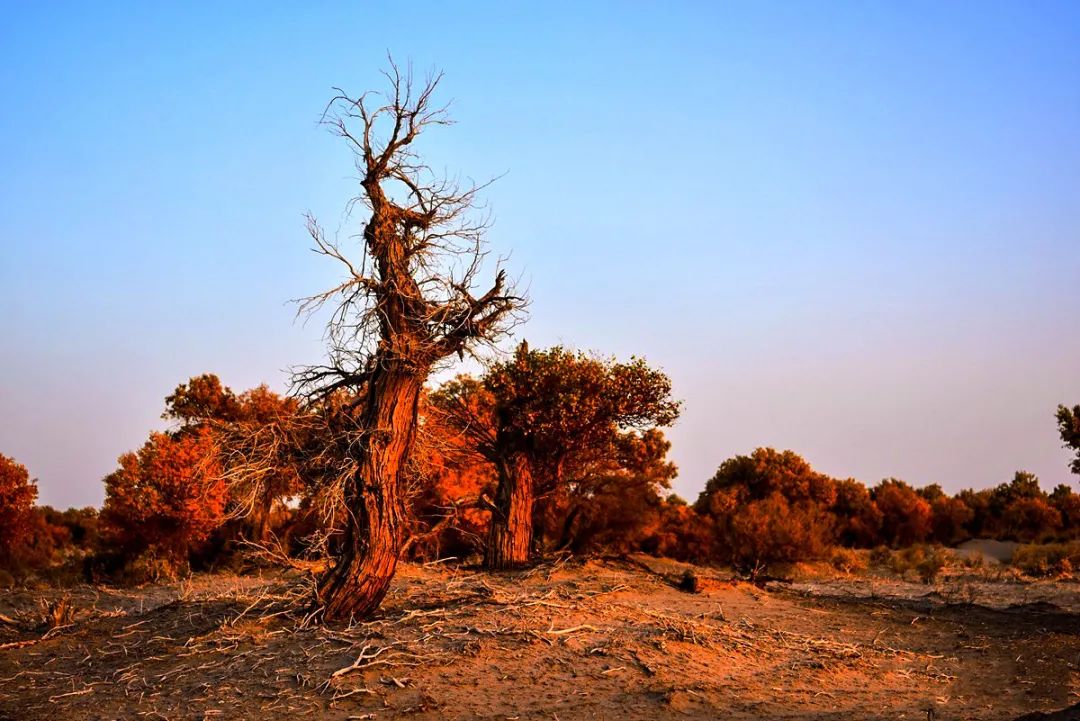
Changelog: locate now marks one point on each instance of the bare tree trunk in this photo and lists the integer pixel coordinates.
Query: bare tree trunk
(566, 538)
(259, 522)
(510, 536)
(356, 585)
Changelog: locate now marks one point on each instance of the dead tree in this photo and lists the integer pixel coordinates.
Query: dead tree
(403, 307)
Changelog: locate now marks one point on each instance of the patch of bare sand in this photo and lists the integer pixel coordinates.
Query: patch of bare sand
(988, 549)
(599, 640)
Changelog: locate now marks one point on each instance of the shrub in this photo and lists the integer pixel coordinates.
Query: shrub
(858, 518)
(75, 527)
(770, 507)
(881, 556)
(1067, 503)
(974, 561)
(165, 499)
(1030, 519)
(680, 532)
(926, 561)
(18, 522)
(617, 501)
(847, 560)
(773, 530)
(951, 517)
(152, 567)
(934, 561)
(906, 517)
(1050, 559)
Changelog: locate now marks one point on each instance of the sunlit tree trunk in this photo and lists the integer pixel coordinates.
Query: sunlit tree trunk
(401, 309)
(374, 533)
(511, 532)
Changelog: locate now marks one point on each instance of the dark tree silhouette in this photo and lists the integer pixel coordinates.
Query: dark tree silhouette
(1069, 428)
(401, 308)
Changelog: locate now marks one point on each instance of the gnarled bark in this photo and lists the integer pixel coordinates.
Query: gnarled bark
(511, 531)
(408, 305)
(356, 585)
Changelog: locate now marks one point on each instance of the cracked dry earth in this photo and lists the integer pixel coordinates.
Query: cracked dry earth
(592, 640)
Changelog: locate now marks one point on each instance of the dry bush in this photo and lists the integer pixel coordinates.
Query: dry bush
(974, 562)
(847, 560)
(1048, 559)
(927, 562)
(934, 561)
(881, 557)
(152, 567)
(56, 613)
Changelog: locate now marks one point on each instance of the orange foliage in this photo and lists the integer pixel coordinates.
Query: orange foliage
(1067, 503)
(17, 517)
(576, 423)
(614, 501)
(906, 518)
(204, 403)
(769, 506)
(600, 472)
(446, 478)
(678, 531)
(858, 519)
(951, 519)
(167, 497)
(1031, 519)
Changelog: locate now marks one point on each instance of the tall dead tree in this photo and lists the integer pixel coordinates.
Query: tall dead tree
(402, 307)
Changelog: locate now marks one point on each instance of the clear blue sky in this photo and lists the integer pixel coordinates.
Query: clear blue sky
(849, 229)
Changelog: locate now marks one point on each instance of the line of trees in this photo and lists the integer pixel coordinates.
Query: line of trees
(548, 450)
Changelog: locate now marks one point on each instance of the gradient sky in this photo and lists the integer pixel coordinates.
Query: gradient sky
(852, 230)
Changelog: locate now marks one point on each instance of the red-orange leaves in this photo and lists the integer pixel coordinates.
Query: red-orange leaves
(17, 521)
(168, 496)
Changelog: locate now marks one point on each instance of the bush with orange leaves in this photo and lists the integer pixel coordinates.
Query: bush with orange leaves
(907, 518)
(612, 502)
(18, 520)
(767, 507)
(445, 479)
(245, 422)
(165, 499)
(678, 531)
(858, 519)
(1031, 519)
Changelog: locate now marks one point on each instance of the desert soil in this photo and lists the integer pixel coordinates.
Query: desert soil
(603, 639)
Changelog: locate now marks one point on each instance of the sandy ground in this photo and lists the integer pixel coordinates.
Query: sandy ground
(988, 549)
(599, 640)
